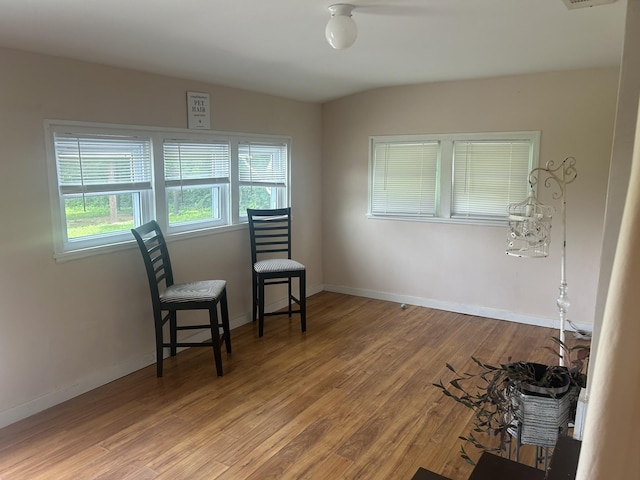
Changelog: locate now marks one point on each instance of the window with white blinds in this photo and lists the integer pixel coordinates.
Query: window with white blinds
(488, 176)
(263, 170)
(104, 187)
(196, 178)
(463, 178)
(404, 178)
(196, 163)
(89, 164)
(107, 179)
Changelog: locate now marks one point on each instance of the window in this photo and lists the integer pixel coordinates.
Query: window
(488, 175)
(466, 178)
(196, 177)
(106, 180)
(104, 186)
(404, 178)
(262, 169)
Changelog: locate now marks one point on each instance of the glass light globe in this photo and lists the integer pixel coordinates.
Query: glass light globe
(341, 31)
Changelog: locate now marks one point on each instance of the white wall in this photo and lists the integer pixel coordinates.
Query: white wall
(68, 327)
(458, 267)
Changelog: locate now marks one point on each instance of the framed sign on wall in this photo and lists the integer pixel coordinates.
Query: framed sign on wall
(198, 112)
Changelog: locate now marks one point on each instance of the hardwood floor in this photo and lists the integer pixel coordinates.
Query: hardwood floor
(350, 399)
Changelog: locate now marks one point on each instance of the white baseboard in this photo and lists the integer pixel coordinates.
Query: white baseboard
(581, 414)
(475, 310)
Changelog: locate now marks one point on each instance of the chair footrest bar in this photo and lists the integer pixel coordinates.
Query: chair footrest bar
(196, 327)
(271, 314)
(192, 344)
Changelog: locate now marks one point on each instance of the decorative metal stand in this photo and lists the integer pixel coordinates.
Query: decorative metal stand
(530, 226)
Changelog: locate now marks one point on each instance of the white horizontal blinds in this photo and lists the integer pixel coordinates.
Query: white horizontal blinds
(196, 163)
(262, 164)
(92, 164)
(488, 176)
(404, 178)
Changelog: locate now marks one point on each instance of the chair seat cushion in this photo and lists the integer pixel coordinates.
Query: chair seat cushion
(203, 291)
(277, 265)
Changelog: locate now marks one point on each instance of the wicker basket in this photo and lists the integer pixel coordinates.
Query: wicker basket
(541, 418)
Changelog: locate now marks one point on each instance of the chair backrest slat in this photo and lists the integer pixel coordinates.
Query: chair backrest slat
(156, 257)
(270, 232)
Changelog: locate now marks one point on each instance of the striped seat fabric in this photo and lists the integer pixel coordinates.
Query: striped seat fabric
(203, 291)
(277, 265)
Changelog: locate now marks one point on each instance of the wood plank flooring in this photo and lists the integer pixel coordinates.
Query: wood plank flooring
(350, 399)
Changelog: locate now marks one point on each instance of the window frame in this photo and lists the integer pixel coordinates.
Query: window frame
(214, 183)
(155, 205)
(283, 197)
(445, 173)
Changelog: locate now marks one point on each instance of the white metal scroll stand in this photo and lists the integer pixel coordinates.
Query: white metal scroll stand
(558, 178)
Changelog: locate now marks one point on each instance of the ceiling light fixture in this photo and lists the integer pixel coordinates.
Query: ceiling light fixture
(341, 30)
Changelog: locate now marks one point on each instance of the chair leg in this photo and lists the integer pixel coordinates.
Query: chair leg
(260, 306)
(289, 297)
(224, 310)
(254, 311)
(159, 342)
(215, 338)
(173, 322)
(303, 300)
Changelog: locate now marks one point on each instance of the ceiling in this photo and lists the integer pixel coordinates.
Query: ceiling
(278, 46)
